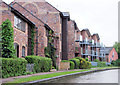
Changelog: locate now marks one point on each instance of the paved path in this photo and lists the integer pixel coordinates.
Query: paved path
(42, 73)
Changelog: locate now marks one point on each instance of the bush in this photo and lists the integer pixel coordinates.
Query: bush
(96, 60)
(13, 67)
(83, 63)
(41, 64)
(117, 62)
(76, 62)
(89, 64)
(72, 65)
(8, 50)
(64, 61)
(113, 63)
(101, 64)
(86, 59)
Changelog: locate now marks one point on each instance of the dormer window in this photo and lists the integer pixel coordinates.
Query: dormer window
(19, 24)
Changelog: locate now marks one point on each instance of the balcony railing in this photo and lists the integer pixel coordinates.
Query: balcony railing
(85, 52)
(96, 45)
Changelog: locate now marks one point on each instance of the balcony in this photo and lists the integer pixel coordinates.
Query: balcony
(84, 42)
(86, 52)
(102, 54)
(96, 45)
(94, 53)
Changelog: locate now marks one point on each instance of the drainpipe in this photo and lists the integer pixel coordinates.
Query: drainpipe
(36, 41)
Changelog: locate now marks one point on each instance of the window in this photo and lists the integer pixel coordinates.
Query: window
(113, 54)
(19, 24)
(23, 51)
(16, 47)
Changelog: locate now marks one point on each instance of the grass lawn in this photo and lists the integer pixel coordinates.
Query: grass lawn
(38, 77)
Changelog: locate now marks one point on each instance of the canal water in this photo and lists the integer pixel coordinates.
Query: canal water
(109, 76)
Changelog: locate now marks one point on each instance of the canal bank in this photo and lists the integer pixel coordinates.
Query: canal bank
(51, 80)
(56, 75)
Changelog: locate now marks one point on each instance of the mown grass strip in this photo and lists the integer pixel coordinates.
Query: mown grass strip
(39, 77)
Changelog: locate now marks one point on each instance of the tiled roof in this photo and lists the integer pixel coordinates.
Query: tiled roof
(107, 50)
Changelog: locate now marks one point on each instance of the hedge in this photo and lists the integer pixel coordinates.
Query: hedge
(72, 65)
(76, 62)
(41, 64)
(13, 67)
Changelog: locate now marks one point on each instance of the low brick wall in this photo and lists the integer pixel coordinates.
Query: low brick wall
(64, 65)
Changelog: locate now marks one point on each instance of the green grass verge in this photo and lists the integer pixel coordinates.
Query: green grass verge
(38, 77)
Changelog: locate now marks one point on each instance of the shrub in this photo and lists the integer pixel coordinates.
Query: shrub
(96, 60)
(117, 62)
(113, 63)
(83, 63)
(72, 65)
(41, 64)
(64, 61)
(76, 62)
(13, 67)
(86, 59)
(89, 64)
(8, 50)
(101, 64)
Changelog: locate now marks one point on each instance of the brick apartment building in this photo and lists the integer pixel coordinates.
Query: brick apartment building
(70, 41)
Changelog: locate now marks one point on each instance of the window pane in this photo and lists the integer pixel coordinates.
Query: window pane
(23, 51)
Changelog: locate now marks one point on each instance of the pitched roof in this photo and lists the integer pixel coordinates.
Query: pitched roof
(107, 50)
(30, 14)
(88, 32)
(96, 35)
(18, 14)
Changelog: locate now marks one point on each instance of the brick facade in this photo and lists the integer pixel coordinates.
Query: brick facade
(20, 38)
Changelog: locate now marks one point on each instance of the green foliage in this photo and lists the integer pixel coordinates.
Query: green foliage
(76, 61)
(64, 61)
(72, 65)
(88, 64)
(41, 64)
(13, 67)
(116, 63)
(96, 60)
(83, 63)
(50, 50)
(113, 63)
(86, 59)
(101, 64)
(8, 50)
(32, 39)
(53, 67)
(117, 48)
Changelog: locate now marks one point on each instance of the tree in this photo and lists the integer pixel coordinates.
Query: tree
(117, 48)
(8, 50)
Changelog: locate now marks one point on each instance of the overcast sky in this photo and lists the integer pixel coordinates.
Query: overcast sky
(99, 16)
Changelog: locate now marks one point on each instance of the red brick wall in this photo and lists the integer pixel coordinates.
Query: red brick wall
(42, 39)
(71, 40)
(47, 14)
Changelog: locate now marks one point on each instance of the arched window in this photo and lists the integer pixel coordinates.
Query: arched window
(16, 46)
(23, 51)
